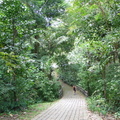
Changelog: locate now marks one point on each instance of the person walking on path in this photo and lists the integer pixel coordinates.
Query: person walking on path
(74, 89)
(69, 107)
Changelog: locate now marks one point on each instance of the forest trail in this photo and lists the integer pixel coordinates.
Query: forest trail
(69, 107)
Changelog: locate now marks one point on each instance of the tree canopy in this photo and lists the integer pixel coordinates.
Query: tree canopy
(80, 36)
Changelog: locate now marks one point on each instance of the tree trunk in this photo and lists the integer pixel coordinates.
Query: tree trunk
(14, 91)
(50, 74)
(36, 45)
(88, 88)
(15, 33)
(104, 85)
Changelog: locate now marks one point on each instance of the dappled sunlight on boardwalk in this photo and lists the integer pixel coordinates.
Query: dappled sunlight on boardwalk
(70, 107)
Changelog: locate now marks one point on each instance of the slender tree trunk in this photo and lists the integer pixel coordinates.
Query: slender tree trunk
(15, 33)
(36, 45)
(104, 85)
(114, 57)
(119, 58)
(14, 91)
(50, 74)
(13, 25)
(13, 74)
(88, 81)
(88, 88)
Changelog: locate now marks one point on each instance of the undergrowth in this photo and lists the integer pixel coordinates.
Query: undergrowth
(101, 106)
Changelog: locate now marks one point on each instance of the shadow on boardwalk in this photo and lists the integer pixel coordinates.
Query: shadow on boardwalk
(70, 107)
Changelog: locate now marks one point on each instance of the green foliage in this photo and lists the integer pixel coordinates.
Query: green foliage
(24, 74)
(94, 27)
(68, 73)
(84, 44)
(12, 8)
(47, 90)
(87, 79)
(24, 84)
(98, 104)
(113, 84)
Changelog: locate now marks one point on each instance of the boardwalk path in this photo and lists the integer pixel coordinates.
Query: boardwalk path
(70, 107)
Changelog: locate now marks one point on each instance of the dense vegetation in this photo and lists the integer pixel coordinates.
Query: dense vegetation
(27, 52)
(94, 62)
(82, 39)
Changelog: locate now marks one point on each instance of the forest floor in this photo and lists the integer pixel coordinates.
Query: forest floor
(70, 107)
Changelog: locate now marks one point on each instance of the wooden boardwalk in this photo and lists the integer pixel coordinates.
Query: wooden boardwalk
(70, 107)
